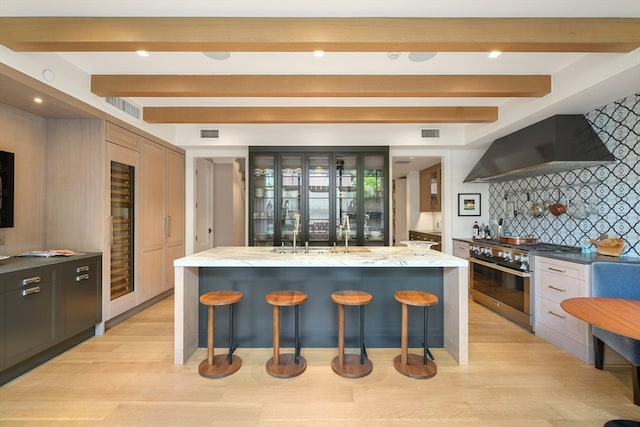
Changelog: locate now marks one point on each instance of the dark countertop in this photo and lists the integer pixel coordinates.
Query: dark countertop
(437, 233)
(577, 257)
(17, 263)
(590, 258)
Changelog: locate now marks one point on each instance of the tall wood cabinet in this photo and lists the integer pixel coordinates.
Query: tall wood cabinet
(315, 191)
(431, 189)
(163, 216)
(80, 212)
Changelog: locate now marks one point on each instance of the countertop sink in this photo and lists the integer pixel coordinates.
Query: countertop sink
(319, 249)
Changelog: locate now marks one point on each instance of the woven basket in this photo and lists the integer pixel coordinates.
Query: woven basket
(612, 246)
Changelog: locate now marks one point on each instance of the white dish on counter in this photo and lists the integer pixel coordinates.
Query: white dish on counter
(419, 247)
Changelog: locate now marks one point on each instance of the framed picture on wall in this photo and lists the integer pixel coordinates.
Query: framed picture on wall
(469, 204)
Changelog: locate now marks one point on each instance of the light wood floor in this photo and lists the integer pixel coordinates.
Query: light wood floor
(127, 378)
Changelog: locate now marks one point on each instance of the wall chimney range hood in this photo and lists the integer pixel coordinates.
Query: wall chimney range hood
(559, 143)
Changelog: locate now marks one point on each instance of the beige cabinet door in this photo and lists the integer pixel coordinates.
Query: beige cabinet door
(153, 211)
(153, 223)
(174, 220)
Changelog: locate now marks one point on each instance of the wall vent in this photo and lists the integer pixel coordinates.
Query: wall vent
(124, 105)
(431, 133)
(209, 133)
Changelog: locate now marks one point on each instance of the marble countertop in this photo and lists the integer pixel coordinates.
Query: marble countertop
(251, 256)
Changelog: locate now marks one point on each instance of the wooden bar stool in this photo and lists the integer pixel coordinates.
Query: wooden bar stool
(285, 365)
(413, 365)
(221, 365)
(350, 365)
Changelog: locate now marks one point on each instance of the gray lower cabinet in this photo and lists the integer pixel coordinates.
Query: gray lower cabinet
(28, 313)
(81, 299)
(46, 307)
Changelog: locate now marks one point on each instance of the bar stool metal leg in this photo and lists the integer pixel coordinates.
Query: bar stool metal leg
(427, 352)
(232, 347)
(363, 350)
(297, 337)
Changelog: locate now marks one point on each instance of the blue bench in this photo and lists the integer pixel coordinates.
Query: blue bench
(617, 280)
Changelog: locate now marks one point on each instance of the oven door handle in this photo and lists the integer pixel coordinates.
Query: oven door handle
(500, 268)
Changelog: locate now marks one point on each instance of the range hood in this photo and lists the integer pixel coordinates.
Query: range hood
(559, 143)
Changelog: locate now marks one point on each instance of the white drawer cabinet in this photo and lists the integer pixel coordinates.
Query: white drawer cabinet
(555, 281)
(460, 249)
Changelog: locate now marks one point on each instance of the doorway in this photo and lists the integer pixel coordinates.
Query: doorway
(219, 203)
(406, 197)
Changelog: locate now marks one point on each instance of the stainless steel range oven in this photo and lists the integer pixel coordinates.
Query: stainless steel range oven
(500, 278)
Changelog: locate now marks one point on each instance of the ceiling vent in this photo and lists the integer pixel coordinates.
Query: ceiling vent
(124, 105)
(209, 133)
(431, 133)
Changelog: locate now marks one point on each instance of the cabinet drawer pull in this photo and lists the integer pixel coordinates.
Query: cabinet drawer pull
(557, 270)
(30, 280)
(30, 291)
(82, 269)
(82, 277)
(556, 288)
(557, 315)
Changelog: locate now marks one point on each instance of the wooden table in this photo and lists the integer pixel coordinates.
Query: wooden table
(617, 315)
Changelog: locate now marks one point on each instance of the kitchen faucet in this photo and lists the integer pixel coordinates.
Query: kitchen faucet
(346, 231)
(296, 230)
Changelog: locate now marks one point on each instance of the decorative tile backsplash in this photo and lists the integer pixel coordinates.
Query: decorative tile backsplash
(613, 190)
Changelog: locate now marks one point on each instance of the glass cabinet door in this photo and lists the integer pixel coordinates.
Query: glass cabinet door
(263, 207)
(316, 192)
(346, 175)
(290, 192)
(374, 198)
(319, 200)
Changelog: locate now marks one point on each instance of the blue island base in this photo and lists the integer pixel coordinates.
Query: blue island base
(319, 315)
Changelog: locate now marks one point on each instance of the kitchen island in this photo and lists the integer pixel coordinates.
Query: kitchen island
(255, 271)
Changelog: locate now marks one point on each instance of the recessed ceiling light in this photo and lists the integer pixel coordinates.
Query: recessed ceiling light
(37, 100)
(494, 53)
(142, 53)
(393, 55)
(218, 56)
(318, 53)
(421, 56)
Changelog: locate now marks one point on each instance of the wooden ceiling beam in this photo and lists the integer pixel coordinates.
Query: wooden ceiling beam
(272, 115)
(52, 34)
(321, 85)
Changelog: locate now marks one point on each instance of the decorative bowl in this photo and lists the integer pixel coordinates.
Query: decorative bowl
(376, 234)
(418, 247)
(609, 246)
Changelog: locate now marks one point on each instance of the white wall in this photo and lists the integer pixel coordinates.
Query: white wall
(401, 211)
(462, 161)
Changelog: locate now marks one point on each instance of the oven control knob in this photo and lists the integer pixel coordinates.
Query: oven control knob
(507, 255)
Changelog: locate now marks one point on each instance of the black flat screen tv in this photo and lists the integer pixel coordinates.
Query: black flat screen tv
(6, 183)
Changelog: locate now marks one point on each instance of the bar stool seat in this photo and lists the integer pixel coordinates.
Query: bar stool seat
(413, 365)
(221, 365)
(285, 365)
(351, 365)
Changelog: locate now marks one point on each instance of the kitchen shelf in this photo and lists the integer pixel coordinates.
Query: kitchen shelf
(321, 195)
